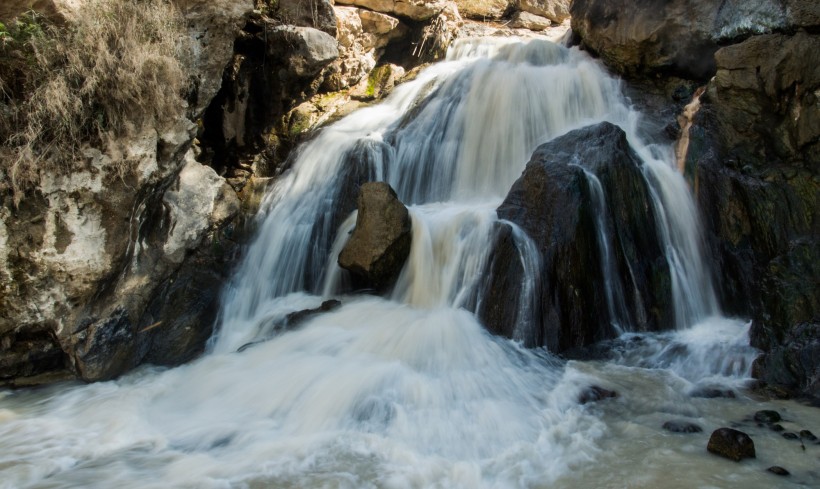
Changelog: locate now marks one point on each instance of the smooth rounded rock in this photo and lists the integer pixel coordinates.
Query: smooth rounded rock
(777, 470)
(732, 444)
(767, 416)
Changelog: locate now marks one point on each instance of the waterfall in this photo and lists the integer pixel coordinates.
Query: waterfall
(452, 142)
(409, 390)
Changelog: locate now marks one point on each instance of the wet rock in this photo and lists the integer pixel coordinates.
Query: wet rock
(794, 364)
(554, 10)
(756, 164)
(380, 244)
(595, 393)
(807, 435)
(777, 470)
(294, 319)
(777, 427)
(712, 393)
(767, 416)
(553, 204)
(731, 444)
(790, 436)
(526, 20)
(682, 427)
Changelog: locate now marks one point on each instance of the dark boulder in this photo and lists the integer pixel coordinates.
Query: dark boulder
(380, 244)
(807, 435)
(595, 393)
(732, 444)
(767, 416)
(777, 470)
(712, 393)
(682, 427)
(555, 204)
(790, 436)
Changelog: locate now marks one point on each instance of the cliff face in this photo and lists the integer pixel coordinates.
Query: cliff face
(115, 243)
(752, 151)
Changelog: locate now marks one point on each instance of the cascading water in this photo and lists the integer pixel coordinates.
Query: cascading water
(410, 391)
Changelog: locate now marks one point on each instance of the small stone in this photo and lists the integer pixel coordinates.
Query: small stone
(732, 444)
(808, 435)
(791, 436)
(768, 416)
(595, 393)
(776, 427)
(775, 469)
(682, 427)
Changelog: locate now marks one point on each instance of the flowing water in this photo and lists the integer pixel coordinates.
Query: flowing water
(409, 391)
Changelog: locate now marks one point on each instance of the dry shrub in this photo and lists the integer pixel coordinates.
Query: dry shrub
(115, 67)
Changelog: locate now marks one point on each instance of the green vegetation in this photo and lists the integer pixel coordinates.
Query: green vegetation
(111, 70)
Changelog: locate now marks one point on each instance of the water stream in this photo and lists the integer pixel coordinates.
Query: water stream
(410, 391)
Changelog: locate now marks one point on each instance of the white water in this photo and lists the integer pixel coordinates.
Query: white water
(411, 391)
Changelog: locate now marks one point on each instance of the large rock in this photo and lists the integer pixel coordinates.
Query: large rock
(639, 37)
(483, 9)
(554, 203)
(412, 9)
(317, 14)
(754, 152)
(380, 244)
(794, 364)
(526, 20)
(554, 10)
(732, 444)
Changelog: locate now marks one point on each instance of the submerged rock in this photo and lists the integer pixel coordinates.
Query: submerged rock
(554, 202)
(807, 435)
(682, 427)
(732, 444)
(767, 416)
(712, 393)
(777, 470)
(595, 393)
(380, 244)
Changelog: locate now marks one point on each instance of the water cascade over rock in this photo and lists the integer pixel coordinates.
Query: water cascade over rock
(310, 384)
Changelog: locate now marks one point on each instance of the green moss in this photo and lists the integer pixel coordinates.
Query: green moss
(377, 79)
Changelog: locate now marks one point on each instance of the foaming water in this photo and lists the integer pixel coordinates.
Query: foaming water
(410, 391)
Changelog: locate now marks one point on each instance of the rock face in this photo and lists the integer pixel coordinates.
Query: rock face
(752, 154)
(755, 160)
(640, 37)
(317, 14)
(554, 203)
(380, 244)
(732, 444)
(120, 262)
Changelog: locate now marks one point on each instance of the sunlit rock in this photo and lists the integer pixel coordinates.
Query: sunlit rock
(380, 243)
